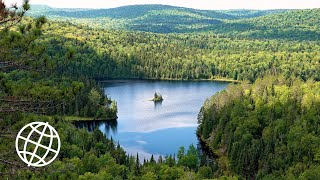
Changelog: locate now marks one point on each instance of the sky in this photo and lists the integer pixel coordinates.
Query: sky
(196, 4)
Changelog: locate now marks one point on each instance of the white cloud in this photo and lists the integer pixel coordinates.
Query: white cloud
(141, 142)
(199, 4)
(142, 153)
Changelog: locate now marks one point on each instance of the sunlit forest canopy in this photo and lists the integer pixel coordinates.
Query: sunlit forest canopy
(262, 24)
(265, 126)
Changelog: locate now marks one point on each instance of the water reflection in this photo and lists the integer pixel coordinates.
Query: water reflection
(157, 104)
(157, 128)
(105, 125)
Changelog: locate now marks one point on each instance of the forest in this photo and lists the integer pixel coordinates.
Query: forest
(269, 129)
(253, 45)
(120, 54)
(264, 127)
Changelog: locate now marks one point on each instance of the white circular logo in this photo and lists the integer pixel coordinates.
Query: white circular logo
(38, 144)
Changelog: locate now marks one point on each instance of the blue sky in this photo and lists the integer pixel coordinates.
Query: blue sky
(197, 4)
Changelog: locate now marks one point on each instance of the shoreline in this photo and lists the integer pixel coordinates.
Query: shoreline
(78, 119)
(123, 80)
(205, 148)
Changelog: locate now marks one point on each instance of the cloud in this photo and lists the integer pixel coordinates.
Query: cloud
(141, 142)
(142, 153)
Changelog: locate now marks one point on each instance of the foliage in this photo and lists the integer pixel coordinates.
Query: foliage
(10, 16)
(119, 54)
(29, 82)
(88, 155)
(157, 97)
(270, 128)
(190, 159)
(253, 24)
(150, 18)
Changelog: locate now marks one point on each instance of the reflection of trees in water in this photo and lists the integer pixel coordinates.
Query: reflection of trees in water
(105, 125)
(206, 156)
(157, 104)
(111, 125)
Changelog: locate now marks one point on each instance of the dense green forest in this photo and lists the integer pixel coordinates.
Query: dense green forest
(267, 126)
(120, 54)
(90, 155)
(269, 129)
(152, 18)
(245, 46)
(32, 88)
(253, 24)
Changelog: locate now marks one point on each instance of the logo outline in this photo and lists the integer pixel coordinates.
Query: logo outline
(23, 154)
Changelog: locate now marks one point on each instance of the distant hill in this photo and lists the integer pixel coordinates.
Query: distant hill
(293, 25)
(244, 13)
(290, 24)
(154, 18)
(138, 11)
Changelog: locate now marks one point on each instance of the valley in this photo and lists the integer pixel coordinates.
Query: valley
(99, 64)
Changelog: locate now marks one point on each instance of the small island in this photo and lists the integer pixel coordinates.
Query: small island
(157, 97)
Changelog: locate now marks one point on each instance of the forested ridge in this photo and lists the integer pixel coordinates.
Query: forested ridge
(266, 130)
(135, 11)
(263, 24)
(158, 18)
(265, 127)
(273, 42)
(120, 54)
(35, 86)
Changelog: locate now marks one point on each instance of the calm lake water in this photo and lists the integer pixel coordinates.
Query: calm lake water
(146, 127)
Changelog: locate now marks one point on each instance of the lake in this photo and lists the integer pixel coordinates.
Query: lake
(146, 127)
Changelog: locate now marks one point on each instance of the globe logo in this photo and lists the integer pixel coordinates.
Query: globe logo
(38, 144)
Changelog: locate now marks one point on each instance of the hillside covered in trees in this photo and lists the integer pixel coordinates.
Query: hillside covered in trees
(120, 54)
(265, 127)
(246, 44)
(269, 129)
(263, 24)
(34, 88)
(153, 18)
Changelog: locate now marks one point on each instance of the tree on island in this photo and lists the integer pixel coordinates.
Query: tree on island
(157, 97)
